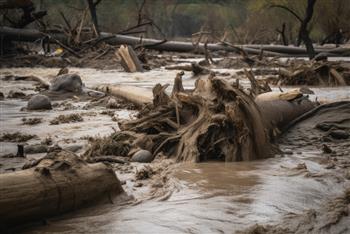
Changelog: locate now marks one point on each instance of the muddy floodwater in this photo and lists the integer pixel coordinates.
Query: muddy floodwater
(211, 198)
(207, 197)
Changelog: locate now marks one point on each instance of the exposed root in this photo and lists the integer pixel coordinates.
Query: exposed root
(216, 121)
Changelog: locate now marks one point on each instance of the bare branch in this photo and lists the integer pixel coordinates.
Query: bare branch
(289, 10)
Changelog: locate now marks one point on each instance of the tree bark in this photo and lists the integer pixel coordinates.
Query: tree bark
(304, 32)
(59, 183)
(215, 121)
(129, 59)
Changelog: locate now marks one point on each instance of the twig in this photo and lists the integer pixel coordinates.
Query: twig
(63, 45)
(289, 10)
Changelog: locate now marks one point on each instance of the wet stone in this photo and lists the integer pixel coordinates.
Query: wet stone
(2, 96)
(324, 126)
(327, 139)
(74, 148)
(142, 156)
(16, 94)
(339, 134)
(288, 151)
(67, 83)
(326, 149)
(39, 102)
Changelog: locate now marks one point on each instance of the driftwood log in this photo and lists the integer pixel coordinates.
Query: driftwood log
(129, 59)
(31, 35)
(215, 121)
(137, 95)
(60, 182)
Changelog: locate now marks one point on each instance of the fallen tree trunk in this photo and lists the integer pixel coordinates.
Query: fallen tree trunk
(31, 35)
(137, 95)
(59, 183)
(215, 121)
(299, 50)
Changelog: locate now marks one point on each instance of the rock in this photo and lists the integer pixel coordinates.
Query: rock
(112, 104)
(73, 148)
(16, 94)
(326, 149)
(327, 139)
(2, 96)
(39, 102)
(301, 166)
(288, 151)
(143, 156)
(138, 184)
(324, 126)
(63, 71)
(323, 56)
(347, 175)
(339, 134)
(35, 149)
(67, 83)
(330, 166)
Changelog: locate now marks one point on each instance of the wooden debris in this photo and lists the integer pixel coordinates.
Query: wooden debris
(58, 183)
(129, 59)
(316, 73)
(215, 121)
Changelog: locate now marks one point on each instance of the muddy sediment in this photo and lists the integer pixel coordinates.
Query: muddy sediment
(192, 198)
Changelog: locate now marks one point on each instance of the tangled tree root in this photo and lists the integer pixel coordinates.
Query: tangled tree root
(215, 121)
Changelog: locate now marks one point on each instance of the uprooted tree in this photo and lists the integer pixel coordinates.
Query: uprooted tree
(215, 121)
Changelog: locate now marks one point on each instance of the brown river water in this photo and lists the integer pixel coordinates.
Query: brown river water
(203, 198)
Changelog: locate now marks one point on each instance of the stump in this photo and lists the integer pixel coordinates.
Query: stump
(215, 121)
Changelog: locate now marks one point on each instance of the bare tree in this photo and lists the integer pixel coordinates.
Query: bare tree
(303, 31)
(92, 8)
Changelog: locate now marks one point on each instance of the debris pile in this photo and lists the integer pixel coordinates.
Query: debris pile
(320, 73)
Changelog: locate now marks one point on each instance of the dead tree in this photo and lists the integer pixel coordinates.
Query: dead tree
(92, 8)
(303, 31)
(282, 32)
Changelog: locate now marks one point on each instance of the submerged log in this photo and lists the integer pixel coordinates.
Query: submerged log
(60, 182)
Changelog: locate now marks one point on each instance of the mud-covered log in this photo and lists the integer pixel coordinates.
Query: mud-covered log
(59, 183)
(279, 110)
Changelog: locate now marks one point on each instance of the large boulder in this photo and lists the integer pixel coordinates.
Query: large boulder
(142, 156)
(39, 102)
(67, 83)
